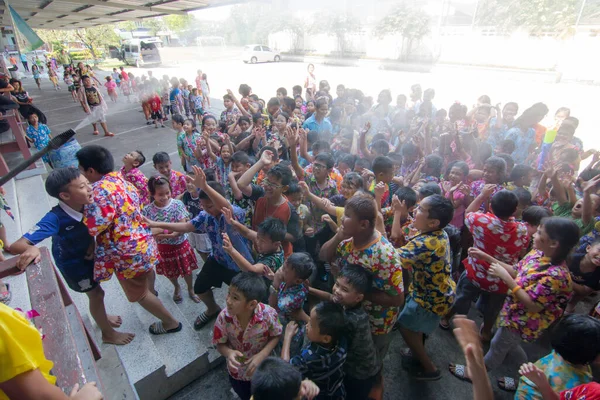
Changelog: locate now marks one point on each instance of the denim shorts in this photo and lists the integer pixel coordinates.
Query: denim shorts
(417, 319)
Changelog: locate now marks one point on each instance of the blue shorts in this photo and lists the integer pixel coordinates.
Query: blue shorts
(417, 319)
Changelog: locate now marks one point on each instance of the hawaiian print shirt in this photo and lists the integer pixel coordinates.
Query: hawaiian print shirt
(383, 261)
(428, 256)
(561, 374)
(477, 188)
(524, 144)
(548, 285)
(290, 299)
(175, 211)
(334, 174)
(262, 327)
(178, 183)
(139, 180)
(588, 391)
(186, 146)
(502, 240)
(407, 227)
(40, 137)
(124, 244)
(230, 116)
(329, 191)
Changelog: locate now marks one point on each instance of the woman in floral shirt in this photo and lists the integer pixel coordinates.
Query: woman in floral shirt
(541, 287)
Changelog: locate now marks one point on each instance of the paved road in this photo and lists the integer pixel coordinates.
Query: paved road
(127, 122)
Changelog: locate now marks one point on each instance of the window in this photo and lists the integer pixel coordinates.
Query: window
(126, 48)
(265, 48)
(135, 48)
(256, 48)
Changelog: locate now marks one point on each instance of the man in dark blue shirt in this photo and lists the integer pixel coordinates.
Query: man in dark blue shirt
(72, 246)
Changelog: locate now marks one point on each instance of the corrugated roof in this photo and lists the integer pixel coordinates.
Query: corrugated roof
(71, 14)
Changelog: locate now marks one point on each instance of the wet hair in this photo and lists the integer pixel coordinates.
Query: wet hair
(160, 158)
(273, 101)
(523, 195)
(429, 189)
(244, 118)
(271, 149)
(241, 157)
(382, 164)
(435, 163)
(192, 122)
(381, 146)
(58, 180)
(510, 162)
(273, 228)
(157, 181)
(408, 195)
(244, 90)
(282, 90)
(289, 102)
(504, 203)
(141, 158)
(281, 173)
(354, 179)
(178, 118)
(363, 207)
(348, 159)
(363, 162)
(508, 146)
(297, 89)
(440, 208)
(96, 157)
(250, 285)
(312, 137)
(321, 102)
(565, 232)
(409, 149)
(533, 215)
(463, 166)
(302, 264)
(276, 379)
(293, 188)
(326, 159)
(520, 171)
(216, 186)
(498, 164)
(531, 115)
(360, 278)
(574, 122)
(211, 174)
(256, 117)
(577, 338)
(207, 117)
(320, 145)
(331, 319)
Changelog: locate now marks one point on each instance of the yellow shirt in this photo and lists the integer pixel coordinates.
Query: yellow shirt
(21, 348)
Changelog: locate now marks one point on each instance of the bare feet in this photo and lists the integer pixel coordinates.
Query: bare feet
(118, 338)
(115, 321)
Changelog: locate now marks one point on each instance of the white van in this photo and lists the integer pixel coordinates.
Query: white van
(141, 52)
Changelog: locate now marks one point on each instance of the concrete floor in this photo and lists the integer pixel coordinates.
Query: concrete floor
(127, 122)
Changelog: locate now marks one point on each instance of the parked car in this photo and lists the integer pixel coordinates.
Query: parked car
(254, 53)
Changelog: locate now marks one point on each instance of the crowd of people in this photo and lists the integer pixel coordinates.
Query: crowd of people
(335, 221)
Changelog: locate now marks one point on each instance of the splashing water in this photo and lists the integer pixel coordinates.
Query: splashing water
(94, 116)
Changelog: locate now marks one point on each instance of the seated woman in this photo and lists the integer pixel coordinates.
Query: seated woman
(21, 97)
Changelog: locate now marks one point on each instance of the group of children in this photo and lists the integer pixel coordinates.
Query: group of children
(335, 222)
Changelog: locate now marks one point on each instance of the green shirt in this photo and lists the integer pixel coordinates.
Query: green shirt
(564, 210)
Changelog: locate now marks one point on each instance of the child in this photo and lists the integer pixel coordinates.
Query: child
(72, 246)
(111, 88)
(177, 257)
(457, 191)
(68, 79)
(205, 87)
(187, 141)
(199, 241)
(383, 169)
(53, 77)
(575, 346)
(289, 292)
(245, 313)
(124, 245)
(358, 242)
(361, 368)
(38, 134)
(37, 76)
(431, 293)
(400, 214)
(156, 110)
(125, 85)
(185, 93)
(582, 211)
(276, 379)
(115, 77)
(240, 163)
(498, 235)
(267, 241)
(520, 177)
(165, 101)
(162, 164)
(132, 161)
(494, 170)
(93, 103)
(295, 196)
(219, 268)
(322, 360)
(587, 391)
(541, 287)
(223, 161)
(585, 273)
(196, 101)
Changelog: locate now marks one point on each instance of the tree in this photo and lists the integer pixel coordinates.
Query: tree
(338, 25)
(413, 24)
(97, 37)
(179, 23)
(289, 24)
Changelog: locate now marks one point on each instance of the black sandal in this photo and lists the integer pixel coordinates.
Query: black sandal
(204, 319)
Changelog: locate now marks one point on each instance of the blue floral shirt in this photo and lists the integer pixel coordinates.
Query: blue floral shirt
(524, 143)
(40, 137)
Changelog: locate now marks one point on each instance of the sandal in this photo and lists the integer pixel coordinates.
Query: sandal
(459, 371)
(157, 328)
(177, 298)
(407, 360)
(507, 384)
(6, 295)
(203, 319)
(195, 298)
(444, 324)
(96, 133)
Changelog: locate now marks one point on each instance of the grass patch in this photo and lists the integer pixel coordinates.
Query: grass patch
(110, 63)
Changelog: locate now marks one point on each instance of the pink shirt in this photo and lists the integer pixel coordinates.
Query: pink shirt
(139, 180)
(110, 85)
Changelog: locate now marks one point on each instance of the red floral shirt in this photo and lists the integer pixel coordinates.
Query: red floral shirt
(139, 180)
(503, 240)
(178, 184)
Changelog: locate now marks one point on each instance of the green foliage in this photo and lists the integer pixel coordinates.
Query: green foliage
(338, 25)
(179, 23)
(97, 37)
(413, 24)
(244, 24)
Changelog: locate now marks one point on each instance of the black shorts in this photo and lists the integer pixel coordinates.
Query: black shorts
(212, 275)
(83, 280)
(156, 115)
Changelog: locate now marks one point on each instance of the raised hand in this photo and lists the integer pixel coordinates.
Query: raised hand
(199, 178)
(267, 157)
(227, 246)
(227, 214)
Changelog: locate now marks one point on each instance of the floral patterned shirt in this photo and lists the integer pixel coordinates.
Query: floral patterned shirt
(262, 327)
(383, 261)
(502, 240)
(175, 211)
(40, 137)
(334, 174)
(290, 299)
(178, 183)
(124, 244)
(548, 285)
(588, 391)
(186, 146)
(524, 143)
(139, 180)
(476, 189)
(230, 116)
(329, 191)
(428, 256)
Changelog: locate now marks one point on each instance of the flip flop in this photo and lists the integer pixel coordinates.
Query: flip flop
(459, 372)
(177, 299)
(507, 384)
(157, 328)
(203, 319)
(195, 298)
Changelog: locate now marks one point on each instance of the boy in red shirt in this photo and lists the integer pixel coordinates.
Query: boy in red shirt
(496, 234)
(156, 110)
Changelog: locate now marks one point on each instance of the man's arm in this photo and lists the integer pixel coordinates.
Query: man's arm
(329, 249)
